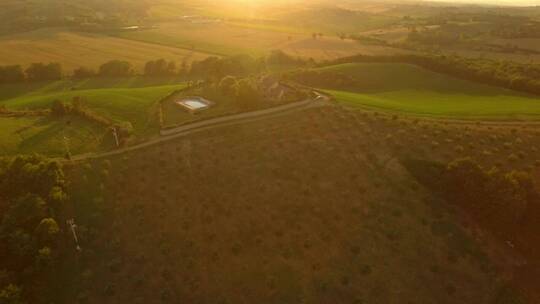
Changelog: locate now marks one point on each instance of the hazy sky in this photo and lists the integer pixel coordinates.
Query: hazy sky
(500, 2)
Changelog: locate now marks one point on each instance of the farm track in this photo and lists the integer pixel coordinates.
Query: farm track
(167, 135)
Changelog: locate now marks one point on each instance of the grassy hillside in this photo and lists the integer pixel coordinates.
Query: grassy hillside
(44, 135)
(73, 49)
(309, 207)
(408, 88)
(129, 100)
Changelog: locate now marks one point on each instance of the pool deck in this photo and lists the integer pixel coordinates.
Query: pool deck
(195, 104)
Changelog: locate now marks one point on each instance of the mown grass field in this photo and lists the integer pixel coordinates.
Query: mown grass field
(410, 89)
(75, 49)
(132, 100)
(45, 135)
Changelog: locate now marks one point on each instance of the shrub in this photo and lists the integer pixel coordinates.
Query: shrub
(60, 108)
(513, 158)
(47, 230)
(11, 294)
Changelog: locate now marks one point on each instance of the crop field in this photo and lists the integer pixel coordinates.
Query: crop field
(132, 100)
(219, 38)
(410, 89)
(226, 215)
(228, 39)
(27, 135)
(75, 49)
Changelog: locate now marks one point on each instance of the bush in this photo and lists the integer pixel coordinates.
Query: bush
(227, 85)
(47, 230)
(60, 108)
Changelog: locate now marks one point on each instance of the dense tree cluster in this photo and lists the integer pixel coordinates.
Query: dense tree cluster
(160, 67)
(506, 203)
(33, 203)
(11, 73)
(44, 72)
(513, 31)
(512, 75)
(210, 69)
(463, 21)
(35, 72)
(242, 91)
(214, 68)
(116, 68)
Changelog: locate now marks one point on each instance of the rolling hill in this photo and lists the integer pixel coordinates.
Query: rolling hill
(411, 89)
(130, 100)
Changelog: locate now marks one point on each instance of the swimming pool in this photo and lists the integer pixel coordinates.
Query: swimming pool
(194, 104)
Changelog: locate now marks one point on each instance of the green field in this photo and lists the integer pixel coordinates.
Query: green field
(411, 89)
(130, 100)
(45, 135)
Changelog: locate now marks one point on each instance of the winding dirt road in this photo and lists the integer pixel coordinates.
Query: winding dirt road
(199, 126)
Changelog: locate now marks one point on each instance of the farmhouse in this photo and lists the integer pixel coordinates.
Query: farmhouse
(276, 90)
